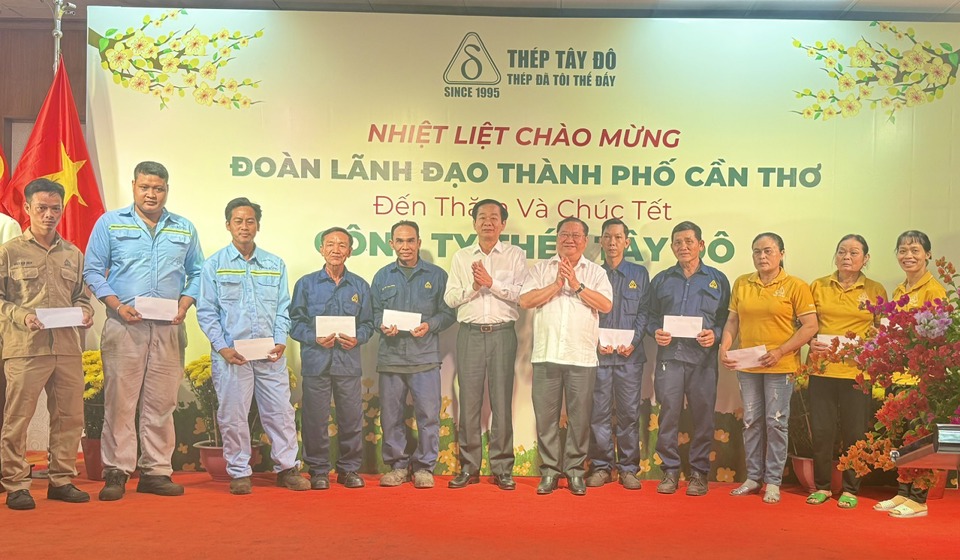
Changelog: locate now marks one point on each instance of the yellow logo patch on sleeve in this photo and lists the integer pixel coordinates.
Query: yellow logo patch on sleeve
(428, 285)
(355, 298)
(713, 284)
(632, 285)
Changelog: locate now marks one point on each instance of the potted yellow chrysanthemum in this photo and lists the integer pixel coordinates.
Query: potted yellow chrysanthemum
(92, 414)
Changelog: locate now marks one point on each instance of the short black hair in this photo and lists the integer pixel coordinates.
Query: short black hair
(240, 203)
(687, 226)
(42, 185)
(615, 222)
(576, 220)
(408, 223)
(151, 168)
(336, 229)
(486, 201)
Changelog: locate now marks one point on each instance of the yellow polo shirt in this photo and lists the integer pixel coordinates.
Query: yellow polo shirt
(927, 289)
(768, 314)
(842, 310)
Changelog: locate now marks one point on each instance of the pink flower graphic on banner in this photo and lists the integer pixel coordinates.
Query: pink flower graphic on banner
(171, 65)
(882, 76)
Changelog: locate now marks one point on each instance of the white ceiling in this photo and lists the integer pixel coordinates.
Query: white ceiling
(902, 10)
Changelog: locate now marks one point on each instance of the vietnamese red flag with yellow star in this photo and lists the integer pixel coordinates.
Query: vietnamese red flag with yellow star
(57, 151)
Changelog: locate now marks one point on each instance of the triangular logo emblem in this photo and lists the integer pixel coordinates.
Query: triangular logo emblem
(472, 64)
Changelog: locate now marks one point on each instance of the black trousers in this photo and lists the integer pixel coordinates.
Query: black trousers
(832, 399)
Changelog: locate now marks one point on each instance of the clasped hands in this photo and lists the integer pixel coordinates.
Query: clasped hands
(567, 275)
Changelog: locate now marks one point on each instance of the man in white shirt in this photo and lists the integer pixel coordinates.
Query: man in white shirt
(568, 293)
(484, 287)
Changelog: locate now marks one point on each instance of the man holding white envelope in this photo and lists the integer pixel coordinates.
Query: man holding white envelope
(40, 276)
(619, 375)
(143, 263)
(687, 311)
(408, 307)
(243, 311)
(332, 316)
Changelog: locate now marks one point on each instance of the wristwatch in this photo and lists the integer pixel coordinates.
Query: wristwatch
(580, 289)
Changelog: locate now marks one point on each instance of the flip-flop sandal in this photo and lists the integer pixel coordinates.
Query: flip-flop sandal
(818, 497)
(887, 505)
(745, 489)
(771, 497)
(904, 511)
(847, 501)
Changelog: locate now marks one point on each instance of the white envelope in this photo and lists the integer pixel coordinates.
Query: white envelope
(682, 326)
(255, 348)
(747, 357)
(158, 309)
(403, 320)
(616, 337)
(328, 324)
(828, 339)
(58, 317)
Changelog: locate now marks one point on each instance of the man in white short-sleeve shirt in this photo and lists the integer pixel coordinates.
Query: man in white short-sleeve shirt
(568, 292)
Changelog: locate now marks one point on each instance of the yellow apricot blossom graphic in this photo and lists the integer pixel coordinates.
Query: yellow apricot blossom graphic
(175, 64)
(880, 75)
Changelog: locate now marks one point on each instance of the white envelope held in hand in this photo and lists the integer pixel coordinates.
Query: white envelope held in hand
(747, 357)
(329, 324)
(616, 337)
(682, 326)
(157, 309)
(59, 317)
(255, 348)
(403, 320)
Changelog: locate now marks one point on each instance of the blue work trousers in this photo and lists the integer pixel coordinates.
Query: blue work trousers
(674, 381)
(317, 390)
(616, 407)
(236, 387)
(399, 450)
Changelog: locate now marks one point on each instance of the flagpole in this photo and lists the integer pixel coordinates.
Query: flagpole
(60, 8)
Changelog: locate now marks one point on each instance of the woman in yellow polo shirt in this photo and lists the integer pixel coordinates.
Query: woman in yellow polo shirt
(913, 255)
(840, 300)
(765, 307)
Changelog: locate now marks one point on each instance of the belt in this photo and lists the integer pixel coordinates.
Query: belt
(489, 328)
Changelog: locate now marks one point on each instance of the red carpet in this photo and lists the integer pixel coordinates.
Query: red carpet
(480, 521)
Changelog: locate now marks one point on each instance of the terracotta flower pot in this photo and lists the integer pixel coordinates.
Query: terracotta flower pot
(92, 461)
(212, 461)
(936, 492)
(803, 468)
